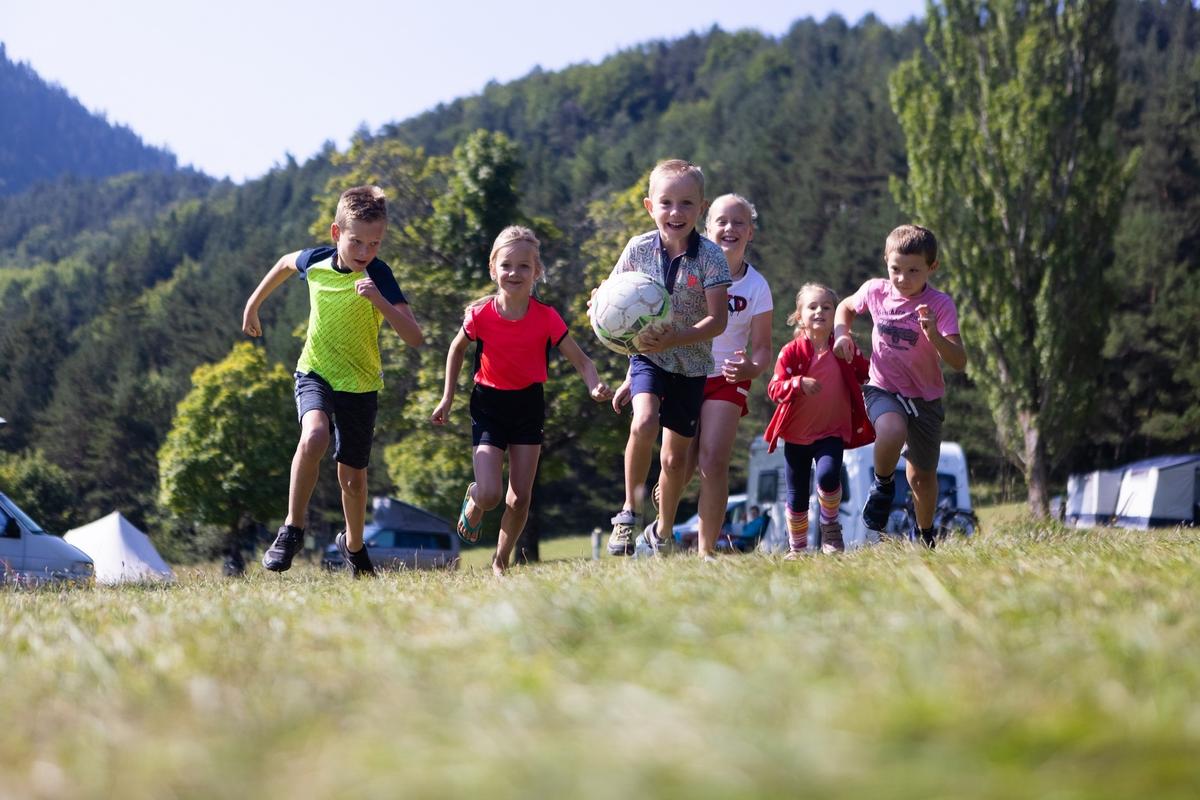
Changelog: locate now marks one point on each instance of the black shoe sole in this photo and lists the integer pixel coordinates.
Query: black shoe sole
(275, 566)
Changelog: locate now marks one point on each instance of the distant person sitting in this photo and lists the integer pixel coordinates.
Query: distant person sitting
(755, 526)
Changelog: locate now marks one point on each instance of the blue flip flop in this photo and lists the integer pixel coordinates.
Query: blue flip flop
(466, 531)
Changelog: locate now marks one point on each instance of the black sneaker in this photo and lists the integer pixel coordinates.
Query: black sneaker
(288, 542)
(358, 561)
(879, 505)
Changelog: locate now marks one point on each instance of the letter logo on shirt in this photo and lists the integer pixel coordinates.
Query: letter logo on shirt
(737, 304)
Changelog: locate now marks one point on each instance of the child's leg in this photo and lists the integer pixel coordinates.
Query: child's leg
(718, 427)
(522, 469)
(891, 431)
(828, 457)
(354, 503)
(489, 482)
(798, 472)
(674, 463)
(643, 433)
(924, 486)
(306, 465)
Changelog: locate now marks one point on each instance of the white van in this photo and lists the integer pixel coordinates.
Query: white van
(29, 555)
(767, 488)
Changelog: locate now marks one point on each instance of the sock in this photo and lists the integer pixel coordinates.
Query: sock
(884, 480)
(927, 536)
(797, 530)
(829, 504)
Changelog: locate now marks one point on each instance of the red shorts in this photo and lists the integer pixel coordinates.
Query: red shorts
(717, 388)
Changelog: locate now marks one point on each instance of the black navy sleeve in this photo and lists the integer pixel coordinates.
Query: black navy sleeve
(385, 281)
(311, 256)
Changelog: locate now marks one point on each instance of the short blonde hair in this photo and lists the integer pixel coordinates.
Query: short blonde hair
(910, 240)
(737, 198)
(794, 317)
(674, 167)
(361, 204)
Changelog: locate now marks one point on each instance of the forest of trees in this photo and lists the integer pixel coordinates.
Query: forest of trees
(114, 290)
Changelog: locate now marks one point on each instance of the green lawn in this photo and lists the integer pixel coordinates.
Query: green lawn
(1030, 662)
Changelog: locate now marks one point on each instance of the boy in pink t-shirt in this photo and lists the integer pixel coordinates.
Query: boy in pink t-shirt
(916, 327)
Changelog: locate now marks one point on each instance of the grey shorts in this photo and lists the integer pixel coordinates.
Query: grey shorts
(924, 443)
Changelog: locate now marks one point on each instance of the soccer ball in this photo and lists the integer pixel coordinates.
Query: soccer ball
(624, 306)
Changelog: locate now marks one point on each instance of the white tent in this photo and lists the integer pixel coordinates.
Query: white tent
(1092, 497)
(120, 551)
(1159, 491)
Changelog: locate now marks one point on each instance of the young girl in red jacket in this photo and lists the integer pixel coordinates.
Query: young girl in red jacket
(820, 414)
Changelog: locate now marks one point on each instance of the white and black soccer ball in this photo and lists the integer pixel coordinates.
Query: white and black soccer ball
(624, 306)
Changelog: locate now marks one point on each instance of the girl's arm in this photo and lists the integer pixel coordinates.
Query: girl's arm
(275, 276)
(784, 383)
(598, 390)
(747, 369)
(454, 361)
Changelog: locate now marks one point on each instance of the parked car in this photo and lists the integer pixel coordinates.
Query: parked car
(30, 555)
(402, 536)
(732, 530)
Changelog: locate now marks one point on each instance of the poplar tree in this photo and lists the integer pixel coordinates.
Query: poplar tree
(1012, 161)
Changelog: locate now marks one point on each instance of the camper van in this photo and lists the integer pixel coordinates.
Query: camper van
(767, 488)
(29, 555)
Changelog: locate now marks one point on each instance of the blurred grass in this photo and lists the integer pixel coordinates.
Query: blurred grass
(1033, 661)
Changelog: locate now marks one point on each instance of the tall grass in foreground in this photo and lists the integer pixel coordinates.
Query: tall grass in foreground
(1031, 662)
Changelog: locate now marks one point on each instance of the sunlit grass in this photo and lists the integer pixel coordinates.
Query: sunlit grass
(1031, 662)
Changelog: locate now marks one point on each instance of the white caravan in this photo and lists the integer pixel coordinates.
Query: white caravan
(1092, 497)
(767, 489)
(1158, 492)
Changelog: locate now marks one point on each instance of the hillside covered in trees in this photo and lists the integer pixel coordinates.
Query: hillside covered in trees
(113, 290)
(45, 133)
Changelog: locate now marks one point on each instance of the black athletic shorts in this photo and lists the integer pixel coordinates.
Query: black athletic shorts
(352, 415)
(501, 417)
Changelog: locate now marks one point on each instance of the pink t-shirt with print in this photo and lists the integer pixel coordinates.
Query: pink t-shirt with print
(902, 359)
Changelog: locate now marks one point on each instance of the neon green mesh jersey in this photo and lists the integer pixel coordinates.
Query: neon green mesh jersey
(343, 328)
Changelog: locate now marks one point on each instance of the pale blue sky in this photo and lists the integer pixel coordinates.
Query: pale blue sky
(232, 86)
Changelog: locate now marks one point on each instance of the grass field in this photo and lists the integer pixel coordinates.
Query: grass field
(1030, 662)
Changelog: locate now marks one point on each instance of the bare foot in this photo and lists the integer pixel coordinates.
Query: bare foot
(498, 568)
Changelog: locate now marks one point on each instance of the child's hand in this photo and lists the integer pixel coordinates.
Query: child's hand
(810, 386)
(250, 324)
(737, 369)
(365, 287)
(622, 396)
(592, 297)
(844, 347)
(927, 320)
(441, 414)
(655, 338)
(600, 392)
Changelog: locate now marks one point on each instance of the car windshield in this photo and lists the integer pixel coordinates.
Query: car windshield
(26, 522)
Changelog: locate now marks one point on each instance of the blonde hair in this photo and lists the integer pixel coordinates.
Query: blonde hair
(674, 167)
(511, 235)
(737, 198)
(361, 204)
(794, 317)
(910, 240)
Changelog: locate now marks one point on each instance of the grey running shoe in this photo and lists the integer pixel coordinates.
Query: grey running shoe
(649, 543)
(879, 505)
(621, 541)
(359, 561)
(279, 555)
(831, 537)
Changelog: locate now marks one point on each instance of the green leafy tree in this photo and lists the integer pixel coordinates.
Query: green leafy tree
(40, 487)
(231, 443)
(1012, 161)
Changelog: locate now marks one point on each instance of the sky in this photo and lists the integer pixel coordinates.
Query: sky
(233, 87)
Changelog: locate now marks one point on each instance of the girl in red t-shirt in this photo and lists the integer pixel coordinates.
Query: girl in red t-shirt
(513, 332)
(820, 414)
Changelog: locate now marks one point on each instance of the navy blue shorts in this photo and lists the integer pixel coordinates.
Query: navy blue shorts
(352, 415)
(679, 396)
(501, 417)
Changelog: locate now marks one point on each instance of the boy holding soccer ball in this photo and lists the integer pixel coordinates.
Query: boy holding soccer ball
(666, 378)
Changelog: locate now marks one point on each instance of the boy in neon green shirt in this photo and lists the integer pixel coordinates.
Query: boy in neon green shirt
(339, 374)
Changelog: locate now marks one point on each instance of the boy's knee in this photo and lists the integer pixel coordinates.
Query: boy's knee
(353, 484)
(314, 441)
(891, 429)
(518, 501)
(643, 428)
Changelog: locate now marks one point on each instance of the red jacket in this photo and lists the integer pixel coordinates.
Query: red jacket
(797, 355)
